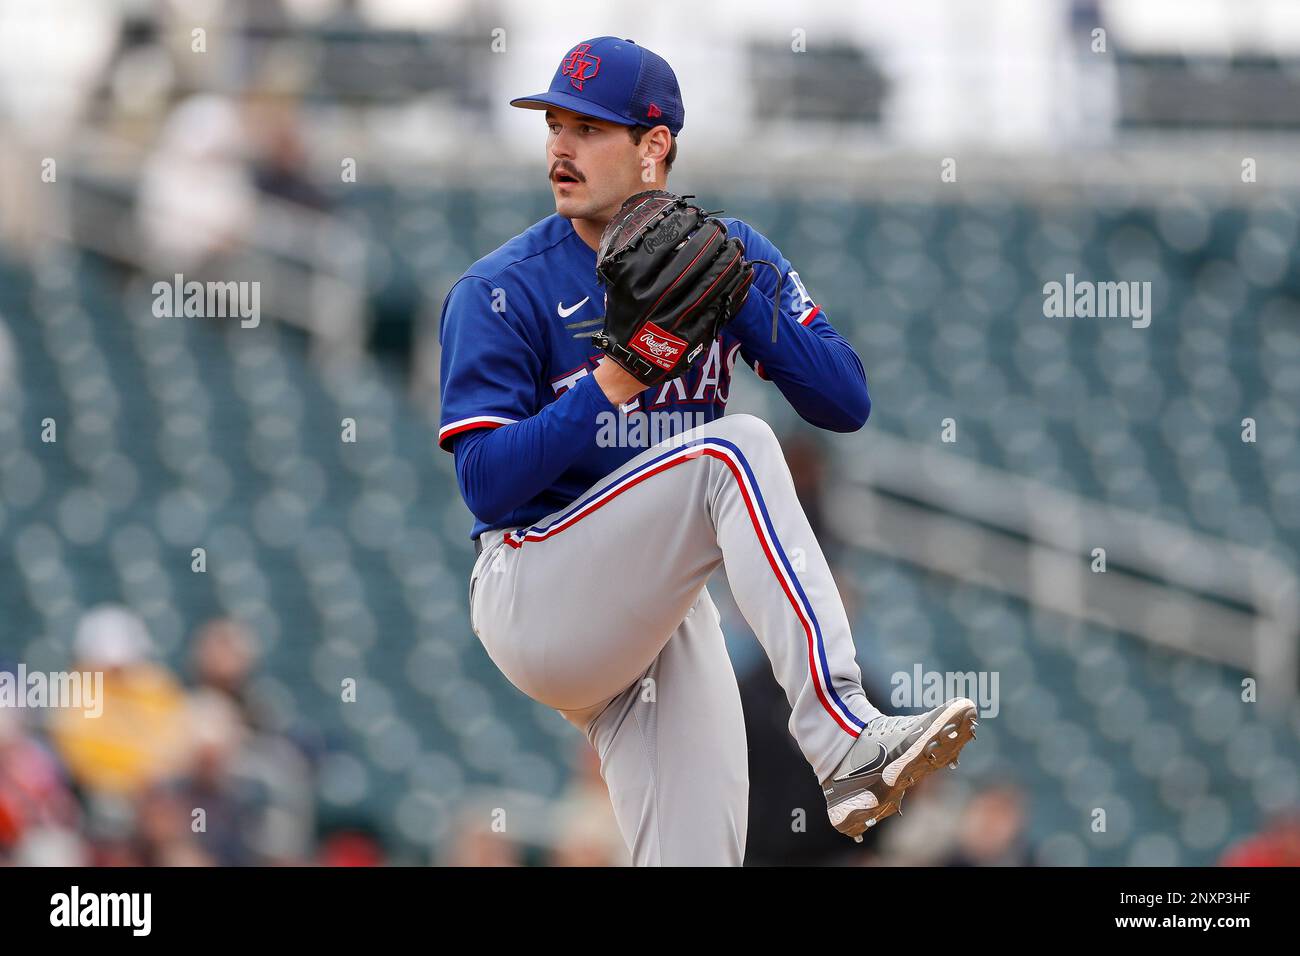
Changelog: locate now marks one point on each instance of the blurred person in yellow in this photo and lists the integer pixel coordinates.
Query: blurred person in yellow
(142, 735)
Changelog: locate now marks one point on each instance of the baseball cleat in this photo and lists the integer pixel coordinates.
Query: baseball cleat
(890, 755)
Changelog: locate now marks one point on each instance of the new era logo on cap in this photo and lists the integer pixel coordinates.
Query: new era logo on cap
(614, 80)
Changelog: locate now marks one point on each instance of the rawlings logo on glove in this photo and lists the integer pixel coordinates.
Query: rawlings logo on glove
(659, 347)
(673, 279)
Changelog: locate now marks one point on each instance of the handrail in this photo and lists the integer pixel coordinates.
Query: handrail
(1165, 583)
(315, 262)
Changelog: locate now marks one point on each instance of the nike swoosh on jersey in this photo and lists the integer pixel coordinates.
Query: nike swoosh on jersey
(565, 313)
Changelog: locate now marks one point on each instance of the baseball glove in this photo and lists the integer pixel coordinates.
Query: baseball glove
(672, 280)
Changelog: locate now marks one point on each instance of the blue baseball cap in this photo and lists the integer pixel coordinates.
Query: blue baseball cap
(614, 80)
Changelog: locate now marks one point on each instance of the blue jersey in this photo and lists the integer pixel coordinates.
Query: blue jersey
(530, 427)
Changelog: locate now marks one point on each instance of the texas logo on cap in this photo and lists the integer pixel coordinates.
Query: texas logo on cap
(580, 66)
(614, 80)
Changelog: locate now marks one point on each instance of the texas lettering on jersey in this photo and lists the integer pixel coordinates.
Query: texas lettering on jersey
(707, 381)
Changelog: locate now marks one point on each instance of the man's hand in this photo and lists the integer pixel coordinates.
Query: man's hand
(618, 385)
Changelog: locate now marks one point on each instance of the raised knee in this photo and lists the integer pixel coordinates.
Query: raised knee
(748, 431)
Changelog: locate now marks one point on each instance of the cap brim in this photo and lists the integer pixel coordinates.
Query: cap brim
(566, 101)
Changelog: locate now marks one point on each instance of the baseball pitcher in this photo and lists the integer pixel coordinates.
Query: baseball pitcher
(585, 371)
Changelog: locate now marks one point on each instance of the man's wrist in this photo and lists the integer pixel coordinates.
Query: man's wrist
(616, 382)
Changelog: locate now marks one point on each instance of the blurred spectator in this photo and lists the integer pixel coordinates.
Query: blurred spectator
(224, 800)
(38, 813)
(223, 657)
(805, 457)
(925, 832)
(350, 848)
(223, 661)
(197, 200)
(51, 846)
(475, 844)
(141, 736)
(279, 166)
(1278, 844)
(164, 834)
(587, 831)
(992, 829)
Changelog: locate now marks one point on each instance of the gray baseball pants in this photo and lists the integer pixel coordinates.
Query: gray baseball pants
(600, 611)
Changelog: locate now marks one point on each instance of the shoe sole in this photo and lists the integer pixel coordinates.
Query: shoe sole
(939, 747)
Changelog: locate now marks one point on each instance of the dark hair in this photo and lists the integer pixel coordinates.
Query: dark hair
(636, 132)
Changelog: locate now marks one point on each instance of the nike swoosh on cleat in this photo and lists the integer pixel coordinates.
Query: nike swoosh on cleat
(565, 313)
(871, 766)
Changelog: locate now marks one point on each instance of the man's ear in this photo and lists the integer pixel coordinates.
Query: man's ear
(661, 140)
(655, 145)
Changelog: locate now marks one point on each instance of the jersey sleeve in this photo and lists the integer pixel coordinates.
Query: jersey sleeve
(797, 305)
(815, 367)
(491, 361)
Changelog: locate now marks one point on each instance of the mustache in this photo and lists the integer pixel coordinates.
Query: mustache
(568, 170)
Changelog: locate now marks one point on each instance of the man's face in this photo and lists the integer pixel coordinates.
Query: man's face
(593, 165)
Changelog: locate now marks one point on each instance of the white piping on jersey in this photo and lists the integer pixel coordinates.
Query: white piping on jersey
(485, 420)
